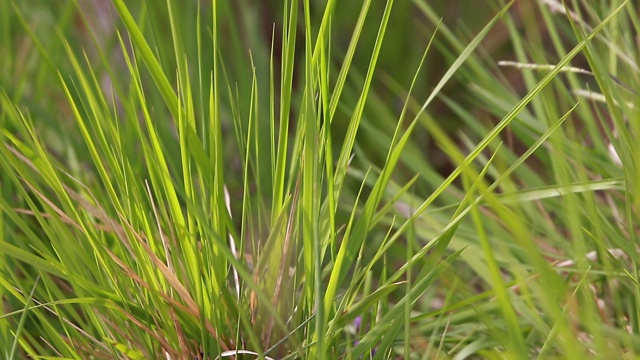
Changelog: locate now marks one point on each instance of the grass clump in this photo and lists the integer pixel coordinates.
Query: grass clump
(193, 180)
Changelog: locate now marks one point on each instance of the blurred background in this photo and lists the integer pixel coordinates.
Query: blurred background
(248, 30)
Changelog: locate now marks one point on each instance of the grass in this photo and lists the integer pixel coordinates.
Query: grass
(275, 180)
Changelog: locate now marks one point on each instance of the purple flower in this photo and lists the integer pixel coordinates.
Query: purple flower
(357, 322)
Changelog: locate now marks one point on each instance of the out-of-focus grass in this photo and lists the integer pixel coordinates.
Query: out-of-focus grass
(318, 180)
